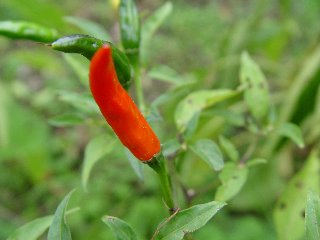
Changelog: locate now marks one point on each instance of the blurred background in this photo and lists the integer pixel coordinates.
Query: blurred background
(47, 116)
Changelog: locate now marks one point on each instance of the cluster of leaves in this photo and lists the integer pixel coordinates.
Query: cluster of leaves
(229, 141)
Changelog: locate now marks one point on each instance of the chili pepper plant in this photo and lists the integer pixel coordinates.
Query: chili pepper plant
(203, 152)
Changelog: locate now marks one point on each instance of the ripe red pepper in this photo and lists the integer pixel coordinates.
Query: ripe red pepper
(118, 108)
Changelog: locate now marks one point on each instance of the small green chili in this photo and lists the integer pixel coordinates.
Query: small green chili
(28, 31)
(130, 29)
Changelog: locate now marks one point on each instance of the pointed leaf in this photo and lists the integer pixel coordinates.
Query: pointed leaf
(32, 230)
(256, 92)
(233, 178)
(196, 102)
(67, 119)
(97, 148)
(256, 161)
(80, 68)
(232, 118)
(121, 230)
(89, 27)
(229, 148)
(154, 115)
(290, 208)
(135, 164)
(151, 25)
(170, 95)
(209, 151)
(189, 220)
(313, 216)
(167, 74)
(293, 132)
(82, 102)
(191, 126)
(59, 229)
(170, 147)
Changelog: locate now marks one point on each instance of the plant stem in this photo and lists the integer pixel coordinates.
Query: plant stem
(138, 87)
(159, 165)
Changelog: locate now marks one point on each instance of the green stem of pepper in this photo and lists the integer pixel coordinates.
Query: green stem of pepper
(159, 165)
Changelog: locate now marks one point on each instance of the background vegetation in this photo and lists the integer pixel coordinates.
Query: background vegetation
(47, 117)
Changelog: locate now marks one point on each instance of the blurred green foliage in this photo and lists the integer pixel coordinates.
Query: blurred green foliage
(44, 132)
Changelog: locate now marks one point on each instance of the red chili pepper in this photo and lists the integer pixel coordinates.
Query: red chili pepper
(118, 108)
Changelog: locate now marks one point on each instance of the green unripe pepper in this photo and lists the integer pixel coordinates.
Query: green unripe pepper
(28, 31)
(130, 29)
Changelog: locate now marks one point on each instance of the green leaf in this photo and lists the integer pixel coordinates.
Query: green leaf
(154, 21)
(135, 164)
(256, 92)
(67, 119)
(83, 102)
(154, 115)
(120, 229)
(151, 24)
(196, 102)
(293, 132)
(80, 68)
(313, 216)
(130, 29)
(256, 161)
(191, 126)
(170, 147)
(32, 230)
(96, 149)
(46, 12)
(229, 148)
(33, 156)
(167, 74)
(231, 117)
(209, 151)
(27, 31)
(290, 208)
(59, 229)
(171, 95)
(89, 27)
(189, 220)
(233, 178)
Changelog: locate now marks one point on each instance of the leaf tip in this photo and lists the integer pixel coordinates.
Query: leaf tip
(107, 218)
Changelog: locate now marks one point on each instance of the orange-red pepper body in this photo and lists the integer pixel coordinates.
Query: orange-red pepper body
(118, 108)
